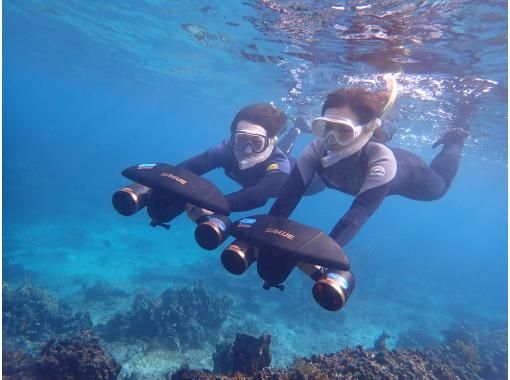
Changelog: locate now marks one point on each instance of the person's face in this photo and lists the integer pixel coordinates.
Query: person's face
(249, 138)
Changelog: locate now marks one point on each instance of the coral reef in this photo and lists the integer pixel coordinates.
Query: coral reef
(350, 363)
(32, 315)
(72, 357)
(494, 353)
(380, 342)
(17, 365)
(246, 355)
(189, 318)
(304, 370)
(185, 373)
(465, 354)
(357, 363)
(475, 352)
(222, 358)
(76, 357)
(182, 318)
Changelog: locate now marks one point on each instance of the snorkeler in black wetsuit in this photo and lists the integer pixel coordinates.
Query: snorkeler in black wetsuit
(250, 157)
(346, 160)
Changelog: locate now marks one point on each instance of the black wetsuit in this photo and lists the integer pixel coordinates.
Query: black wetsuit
(259, 182)
(371, 174)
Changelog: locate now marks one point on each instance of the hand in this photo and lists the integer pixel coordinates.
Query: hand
(195, 212)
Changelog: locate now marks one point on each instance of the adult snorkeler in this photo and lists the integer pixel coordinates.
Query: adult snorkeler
(250, 157)
(347, 160)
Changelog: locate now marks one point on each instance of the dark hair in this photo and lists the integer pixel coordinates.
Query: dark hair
(365, 104)
(266, 115)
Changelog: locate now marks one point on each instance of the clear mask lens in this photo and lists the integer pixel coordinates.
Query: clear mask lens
(246, 141)
(342, 133)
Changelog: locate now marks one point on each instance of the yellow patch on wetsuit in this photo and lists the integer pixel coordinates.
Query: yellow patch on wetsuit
(272, 167)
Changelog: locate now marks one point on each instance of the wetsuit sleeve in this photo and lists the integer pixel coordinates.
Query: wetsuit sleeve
(257, 195)
(379, 179)
(300, 176)
(276, 173)
(362, 208)
(207, 161)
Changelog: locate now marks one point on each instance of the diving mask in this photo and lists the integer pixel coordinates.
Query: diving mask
(339, 130)
(249, 142)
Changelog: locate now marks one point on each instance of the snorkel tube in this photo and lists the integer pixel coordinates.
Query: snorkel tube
(392, 86)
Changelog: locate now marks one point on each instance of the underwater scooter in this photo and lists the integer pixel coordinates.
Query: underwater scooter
(165, 190)
(276, 244)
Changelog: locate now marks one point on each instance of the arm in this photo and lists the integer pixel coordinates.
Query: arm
(362, 208)
(291, 194)
(207, 161)
(300, 176)
(202, 164)
(381, 172)
(315, 186)
(257, 195)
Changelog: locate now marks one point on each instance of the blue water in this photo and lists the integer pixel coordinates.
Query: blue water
(90, 88)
